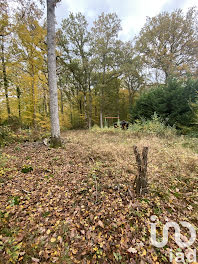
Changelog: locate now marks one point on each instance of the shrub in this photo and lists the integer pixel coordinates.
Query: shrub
(5, 135)
(13, 122)
(155, 126)
(171, 101)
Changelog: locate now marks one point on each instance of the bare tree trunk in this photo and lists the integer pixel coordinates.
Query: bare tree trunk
(44, 102)
(71, 116)
(61, 99)
(90, 108)
(130, 98)
(101, 119)
(5, 80)
(19, 102)
(33, 100)
(101, 106)
(85, 108)
(55, 127)
(102, 96)
(80, 106)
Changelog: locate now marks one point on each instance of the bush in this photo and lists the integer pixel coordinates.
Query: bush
(155, 126)
(8, 136)
(5, 135)
(13, 122)
(171, 101)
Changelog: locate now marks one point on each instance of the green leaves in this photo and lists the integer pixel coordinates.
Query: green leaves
(167, 43)
(15, 200)
(170, 101)
(26, 169)
(117, 256)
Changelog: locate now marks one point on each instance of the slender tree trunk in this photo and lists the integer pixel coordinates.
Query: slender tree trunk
(95, 111)
(80, 106)
(19, 102)
(130, 98)
(95, 108)
(101, 119)
(5, 80)
(33, 100)
(102, 96)
(71, 116)
(61, 99)
(90, 109)
(55, 127)
(85, 108)
(44, 102)
(101, 105)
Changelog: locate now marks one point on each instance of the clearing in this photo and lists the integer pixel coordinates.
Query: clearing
(76, 204)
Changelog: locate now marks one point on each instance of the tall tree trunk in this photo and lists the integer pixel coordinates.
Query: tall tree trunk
(61, 99)
(33, 100)
(18, 91)
(5, 80)
(85, 108)
(71, 116)
(130, 98)
(90, 109)
(55, 127)
(95, 108)
(102, 95)
(44, 102)
(101, 118)
(80, 105)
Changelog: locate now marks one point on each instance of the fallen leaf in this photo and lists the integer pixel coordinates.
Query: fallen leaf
(132, 250)
(36, 260)
(100, 223)
(53, 239)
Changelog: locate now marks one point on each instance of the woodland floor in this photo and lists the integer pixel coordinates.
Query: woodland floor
(76, 204)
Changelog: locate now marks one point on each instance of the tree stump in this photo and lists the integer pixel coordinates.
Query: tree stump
(140, 184)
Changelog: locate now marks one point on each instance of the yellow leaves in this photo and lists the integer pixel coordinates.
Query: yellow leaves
(53, 239)
(154, 257)
(8, 207)
(143, 252)
(122, 240)
(57, 223)
(59, 238)
(95, 248)
(74, 251)
(48, 231)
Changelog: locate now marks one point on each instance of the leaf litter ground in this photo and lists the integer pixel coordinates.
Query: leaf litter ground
(76, 204)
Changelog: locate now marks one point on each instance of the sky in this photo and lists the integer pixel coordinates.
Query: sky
(132, 13)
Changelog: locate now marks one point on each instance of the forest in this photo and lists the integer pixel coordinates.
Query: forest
(98, 74)
(98, 137)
